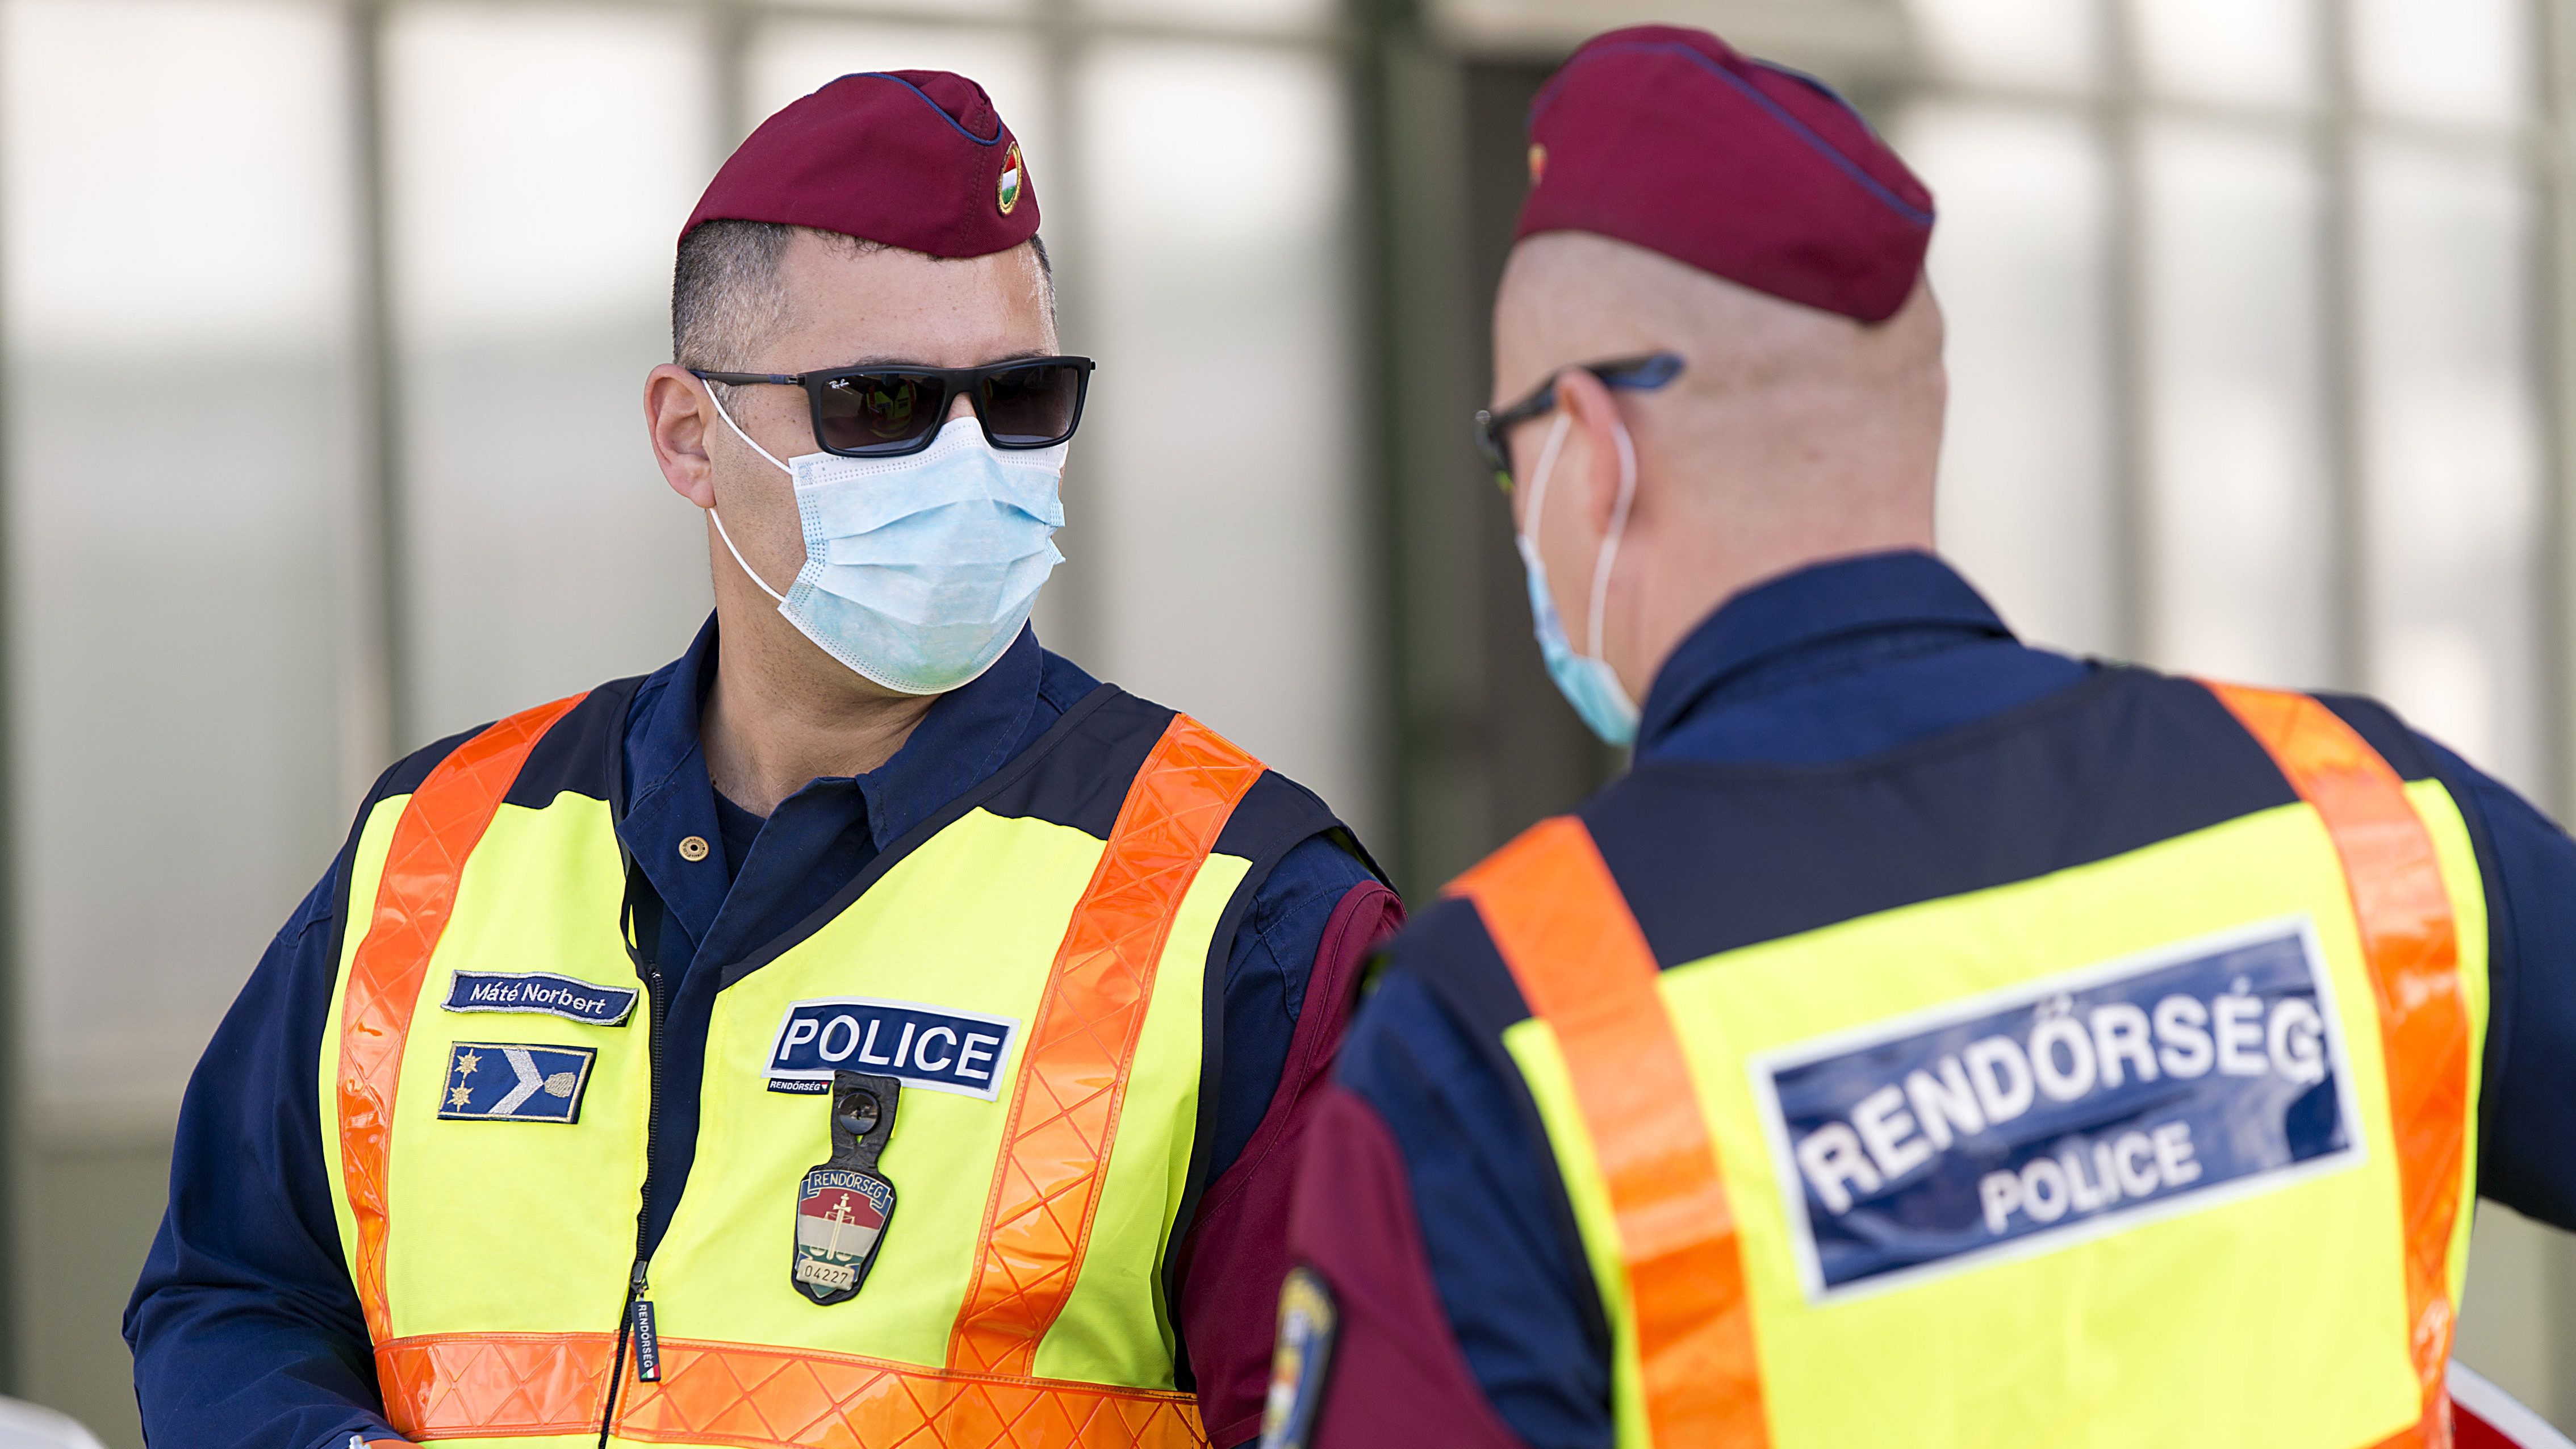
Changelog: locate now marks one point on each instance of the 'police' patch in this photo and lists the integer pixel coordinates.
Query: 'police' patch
(921, 1046)
(573, 1000)
(2062, 1109)
(501, 1082)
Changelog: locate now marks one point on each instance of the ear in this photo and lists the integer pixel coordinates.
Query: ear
(678, 417)
(1595, 464)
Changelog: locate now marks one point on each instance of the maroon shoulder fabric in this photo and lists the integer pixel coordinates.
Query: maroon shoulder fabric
(1669, 138)
(1235, 1255)
(1398, 1378)
(917, 159)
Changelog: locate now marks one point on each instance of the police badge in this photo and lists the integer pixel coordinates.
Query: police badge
(844, 1206)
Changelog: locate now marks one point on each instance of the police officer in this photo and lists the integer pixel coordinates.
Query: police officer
(1933, 1039)
(867, 1029)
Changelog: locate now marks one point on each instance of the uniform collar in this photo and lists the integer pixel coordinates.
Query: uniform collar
(662, 723)
(969, 732)
(1809, 613)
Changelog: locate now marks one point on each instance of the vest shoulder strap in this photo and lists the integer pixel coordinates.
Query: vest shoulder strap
(1063, 1121)
(1564, 930)
(448, 813)
(2411, 943)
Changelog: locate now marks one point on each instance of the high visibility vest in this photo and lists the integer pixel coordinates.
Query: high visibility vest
(2102, 1074)
(1037, 957)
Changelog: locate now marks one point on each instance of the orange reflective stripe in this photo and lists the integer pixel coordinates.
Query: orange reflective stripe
(1073, 1080)
(739, 1394)
(1562, 926)
(2411, 943)
(446, 816)
(492, 1385)
(509, 1385)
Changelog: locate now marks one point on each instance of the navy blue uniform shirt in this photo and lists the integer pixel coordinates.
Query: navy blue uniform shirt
(1841, 662)
(245, 1327)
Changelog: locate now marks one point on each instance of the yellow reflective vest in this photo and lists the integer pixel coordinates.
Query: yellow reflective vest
(2102, 1074)
(1033, 965)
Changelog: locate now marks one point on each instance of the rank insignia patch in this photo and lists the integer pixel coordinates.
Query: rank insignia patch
(1308, 1320)
(498, 1082)
(844, 1205)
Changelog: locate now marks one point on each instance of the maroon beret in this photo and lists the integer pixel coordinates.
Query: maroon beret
(1670, 139)
(917, 159)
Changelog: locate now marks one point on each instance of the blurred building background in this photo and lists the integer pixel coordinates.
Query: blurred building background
(323, 323)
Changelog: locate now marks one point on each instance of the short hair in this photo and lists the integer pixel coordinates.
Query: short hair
(725, 297)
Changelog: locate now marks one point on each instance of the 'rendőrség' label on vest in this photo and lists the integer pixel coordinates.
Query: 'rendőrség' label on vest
(938, 1047)
(2079, 1104)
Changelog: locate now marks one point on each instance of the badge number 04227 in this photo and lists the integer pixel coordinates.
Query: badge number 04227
(844, 1206)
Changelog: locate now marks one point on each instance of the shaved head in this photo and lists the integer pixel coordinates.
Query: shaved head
(1792, 436)
(1775, 398)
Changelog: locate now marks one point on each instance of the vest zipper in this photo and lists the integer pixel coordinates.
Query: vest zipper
(635, 1324)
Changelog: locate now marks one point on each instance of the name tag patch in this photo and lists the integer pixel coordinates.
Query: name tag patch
(504, 1082)
(573, 1000)
(922, 1046)
(2061, 1109)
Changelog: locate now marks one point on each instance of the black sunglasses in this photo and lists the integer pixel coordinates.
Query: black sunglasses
(1632, 374)
(891, 412)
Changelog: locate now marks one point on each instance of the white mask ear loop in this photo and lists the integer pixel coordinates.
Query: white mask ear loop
(1610, 544)
(1538, 479)
(718, 517)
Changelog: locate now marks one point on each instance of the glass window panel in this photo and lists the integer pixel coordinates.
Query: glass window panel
(2240, 495)
(1219, 12)
(788, 59)
(2254, 52)
(2514, 1329)
(979, 8)
(1218, 507)
(2055, 44)
(176, 297)
(2453, 461)
(2017, 261)
(2458, 60)
(543, 159)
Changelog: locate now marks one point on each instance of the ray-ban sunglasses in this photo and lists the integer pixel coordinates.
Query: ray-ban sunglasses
(893, 411)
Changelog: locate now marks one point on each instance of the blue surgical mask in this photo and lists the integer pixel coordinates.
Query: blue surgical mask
(1586, 680)
(919, 571)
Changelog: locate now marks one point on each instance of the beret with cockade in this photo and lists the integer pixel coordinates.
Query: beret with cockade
(917, 159)
(1670, 139)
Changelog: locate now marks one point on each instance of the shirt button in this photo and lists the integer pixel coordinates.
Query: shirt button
(693, 849)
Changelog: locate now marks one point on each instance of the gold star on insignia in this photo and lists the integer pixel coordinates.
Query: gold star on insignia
(466, 1064)
(460, 1096)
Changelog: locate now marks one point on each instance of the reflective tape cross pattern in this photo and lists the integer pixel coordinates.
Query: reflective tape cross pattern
(1082, 1045)
(441, 824)
(1562, 926)
(2411, 943)
(487, 1385)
